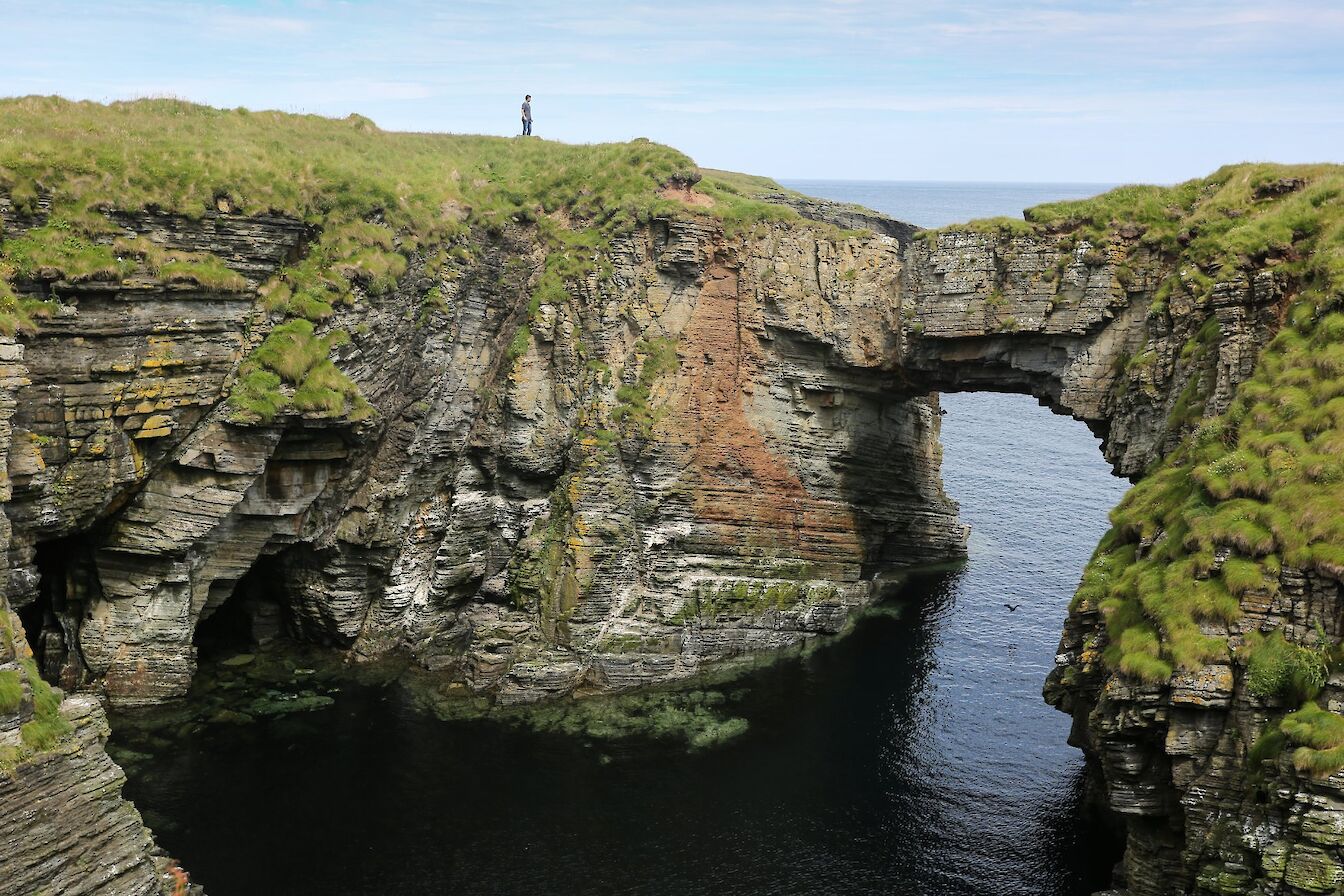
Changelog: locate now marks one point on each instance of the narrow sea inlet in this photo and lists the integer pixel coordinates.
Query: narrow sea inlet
(913, 756)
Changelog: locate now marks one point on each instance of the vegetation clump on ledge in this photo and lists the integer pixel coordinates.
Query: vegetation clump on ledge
(47, 726)
(634, 413)
(19, 314)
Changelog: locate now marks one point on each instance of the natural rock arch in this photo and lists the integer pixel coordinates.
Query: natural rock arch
(485, 525)
(794, 448)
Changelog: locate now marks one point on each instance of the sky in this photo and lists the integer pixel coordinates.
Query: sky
(982, 90)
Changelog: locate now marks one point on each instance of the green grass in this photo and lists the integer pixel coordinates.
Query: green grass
(328, 392)
(11, 691)
(177, 266)
(19, 315)
(1001, 226)
(1319, 735)
(1261, 480)
(518, 346)
(1276, 668)
(634, 413)
(291, 370)
(740, 199)
(59, 250)
(750, 598)
(541, 573)
(183, 157)
(292, 349)
(1217, 218)
(47, 726)
(256, 396)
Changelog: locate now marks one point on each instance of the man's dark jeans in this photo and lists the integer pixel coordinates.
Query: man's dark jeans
(527, 128)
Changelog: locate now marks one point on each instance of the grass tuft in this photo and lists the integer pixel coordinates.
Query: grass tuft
(11, 691)
(634, 412)
(44, 730)
(1278, 669)
(1320, 735)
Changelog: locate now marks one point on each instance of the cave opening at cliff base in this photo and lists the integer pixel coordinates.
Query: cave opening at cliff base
(253, 614)
(60, 565)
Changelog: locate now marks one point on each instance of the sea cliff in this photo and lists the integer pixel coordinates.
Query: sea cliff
(557, 420)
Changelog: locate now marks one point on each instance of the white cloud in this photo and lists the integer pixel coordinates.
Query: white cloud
(258, 25)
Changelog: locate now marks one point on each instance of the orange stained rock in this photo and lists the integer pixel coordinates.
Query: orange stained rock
(741, 487)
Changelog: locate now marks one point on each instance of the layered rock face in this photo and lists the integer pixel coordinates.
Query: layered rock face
(1074, 326)
(1202, 816)
(66, 829)
(708, 451)
(706, 454)
(1079, 330)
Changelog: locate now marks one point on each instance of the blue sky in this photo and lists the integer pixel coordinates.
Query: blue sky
(1015, 90)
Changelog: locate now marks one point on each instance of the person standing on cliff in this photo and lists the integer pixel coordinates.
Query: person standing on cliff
(527, 115)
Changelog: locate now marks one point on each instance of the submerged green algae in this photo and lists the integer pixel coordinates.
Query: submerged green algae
(283, 681)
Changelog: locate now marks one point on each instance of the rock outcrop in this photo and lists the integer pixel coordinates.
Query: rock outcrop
(1076, 327)
(1194, 766)
(64, 827)
(1204, 811)
(765, 457)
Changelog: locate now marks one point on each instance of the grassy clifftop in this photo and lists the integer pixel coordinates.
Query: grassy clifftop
(1252, 490)
(183, 157)
(375, 199)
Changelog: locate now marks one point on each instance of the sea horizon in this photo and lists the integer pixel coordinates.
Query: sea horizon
(930, 204)
(982, 183)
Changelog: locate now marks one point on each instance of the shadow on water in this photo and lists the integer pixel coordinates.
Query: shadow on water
(913, 756)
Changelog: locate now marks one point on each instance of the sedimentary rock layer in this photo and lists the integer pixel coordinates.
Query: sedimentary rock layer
(702, 455)
(64, 827)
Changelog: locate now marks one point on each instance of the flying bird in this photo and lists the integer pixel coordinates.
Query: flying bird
(1012, 607)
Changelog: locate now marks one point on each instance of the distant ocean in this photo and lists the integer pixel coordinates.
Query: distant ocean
(939, 203)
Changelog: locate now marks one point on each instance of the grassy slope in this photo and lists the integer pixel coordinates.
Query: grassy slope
(377, 198)
(1262, 482)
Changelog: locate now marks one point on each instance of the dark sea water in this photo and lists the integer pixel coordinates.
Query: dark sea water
(913, 757)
